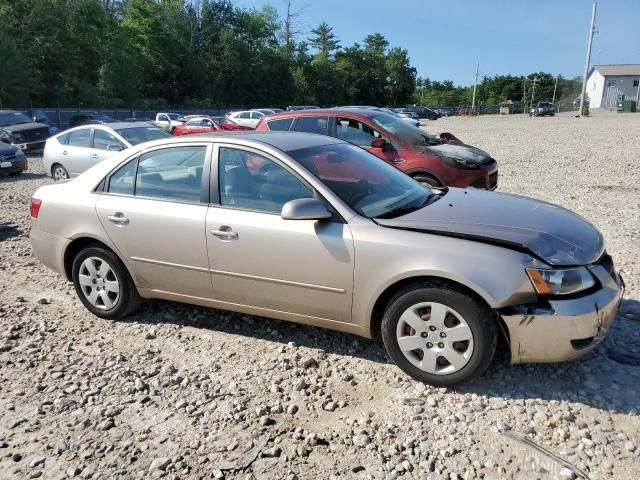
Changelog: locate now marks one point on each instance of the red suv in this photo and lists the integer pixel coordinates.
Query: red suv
(436, 161)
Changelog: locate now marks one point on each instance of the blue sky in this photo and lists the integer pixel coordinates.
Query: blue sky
(445, 38)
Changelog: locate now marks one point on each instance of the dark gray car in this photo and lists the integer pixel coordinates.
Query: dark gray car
(542, 109)
(19, 130)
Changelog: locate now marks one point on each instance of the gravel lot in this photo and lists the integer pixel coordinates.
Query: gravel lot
(182, 392)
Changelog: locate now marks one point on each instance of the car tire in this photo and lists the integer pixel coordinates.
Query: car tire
(439, 312)
(106, 290)
(427, 180)
(15, 174)
(59, 173)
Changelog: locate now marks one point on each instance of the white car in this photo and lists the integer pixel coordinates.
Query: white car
(248, 118)
(73, 151)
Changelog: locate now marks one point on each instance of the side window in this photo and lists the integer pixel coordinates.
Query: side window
(206, 123)
(256, 115)
(356, 132)
(244, 115)
(171, 174)
(280, 125)
(63, 139)
(80, 138)
(122, 180)
(253, 182)
(163, 118)
(102, 139)
(318, 125)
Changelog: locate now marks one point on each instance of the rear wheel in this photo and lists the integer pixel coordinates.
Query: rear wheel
(103, 284)
(59, 173)
(427, 180)
(438, 334)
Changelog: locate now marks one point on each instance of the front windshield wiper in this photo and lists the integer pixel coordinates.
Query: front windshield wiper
(408, 208)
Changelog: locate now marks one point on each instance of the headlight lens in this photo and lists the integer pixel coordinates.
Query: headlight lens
(459, 163)
(560, 281)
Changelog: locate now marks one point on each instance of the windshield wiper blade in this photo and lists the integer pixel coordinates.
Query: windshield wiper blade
(405, 209)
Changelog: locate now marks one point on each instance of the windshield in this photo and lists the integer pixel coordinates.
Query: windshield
(13, 118)
(136, 135)
(371, 187)
(405, 131)
(174, 116)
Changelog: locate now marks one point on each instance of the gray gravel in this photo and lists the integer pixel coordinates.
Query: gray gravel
(185, 392)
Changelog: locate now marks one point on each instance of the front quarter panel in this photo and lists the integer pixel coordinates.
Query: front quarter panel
(385, 256)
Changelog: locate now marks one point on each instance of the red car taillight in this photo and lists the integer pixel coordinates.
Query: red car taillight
(34, 206)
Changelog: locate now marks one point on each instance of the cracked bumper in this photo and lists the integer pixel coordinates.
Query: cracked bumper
(568, 328)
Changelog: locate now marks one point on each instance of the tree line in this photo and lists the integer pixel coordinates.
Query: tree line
(206, 53)
(187, 53)
(498, 89)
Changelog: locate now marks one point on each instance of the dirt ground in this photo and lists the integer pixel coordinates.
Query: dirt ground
(177, 391)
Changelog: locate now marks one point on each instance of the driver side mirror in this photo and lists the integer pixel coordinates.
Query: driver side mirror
(114, 147)
(305, 209)
(378, 143)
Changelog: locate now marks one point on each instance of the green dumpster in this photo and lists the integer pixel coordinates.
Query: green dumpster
(629, 106)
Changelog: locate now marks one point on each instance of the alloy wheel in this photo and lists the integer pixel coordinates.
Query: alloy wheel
(99, 283)
(59, 173)
(435, 338)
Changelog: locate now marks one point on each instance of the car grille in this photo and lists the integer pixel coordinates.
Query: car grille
(36, 134)
(493, 180)
(7, 158)
(479, 182)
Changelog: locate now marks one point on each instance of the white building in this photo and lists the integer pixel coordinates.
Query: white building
(606, 82)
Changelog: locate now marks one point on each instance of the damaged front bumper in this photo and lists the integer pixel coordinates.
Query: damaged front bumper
(565, 329)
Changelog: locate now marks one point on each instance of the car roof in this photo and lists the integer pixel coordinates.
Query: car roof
(10, 111)
(284, 141)
(364, 112)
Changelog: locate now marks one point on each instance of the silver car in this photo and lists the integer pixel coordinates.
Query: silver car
(73, 151)
(311, 229)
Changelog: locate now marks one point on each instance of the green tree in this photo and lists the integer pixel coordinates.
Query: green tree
(324, 41)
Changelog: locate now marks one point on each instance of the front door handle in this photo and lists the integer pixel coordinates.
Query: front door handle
(118, 218)
(64, 152)
(94, 155)
(225, 233)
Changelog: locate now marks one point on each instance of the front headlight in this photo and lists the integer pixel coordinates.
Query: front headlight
(549, 281)
(459, 163)
(18, 137)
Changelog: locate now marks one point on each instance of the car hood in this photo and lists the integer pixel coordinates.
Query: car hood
(460, 151)
(7, 150)
(23, 126)
(551, 233)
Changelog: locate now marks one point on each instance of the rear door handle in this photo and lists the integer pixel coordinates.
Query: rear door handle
(118, 219)
(64, 152)
(94, 155)
(225, 233)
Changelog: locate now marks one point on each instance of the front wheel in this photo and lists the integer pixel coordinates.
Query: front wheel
(439, 335)
(427, 180)
(103, 284)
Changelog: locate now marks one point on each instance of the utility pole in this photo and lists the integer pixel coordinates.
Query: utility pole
(554, 90)
(533, 91)
(524, 93)
(475, 85)
(587, 61)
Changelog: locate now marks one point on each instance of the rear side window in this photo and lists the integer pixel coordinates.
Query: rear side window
(104, 140)
(171, 174)
(318, 125)
(80, 138)
(63, 139)
(121, 182)
(282, 124)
